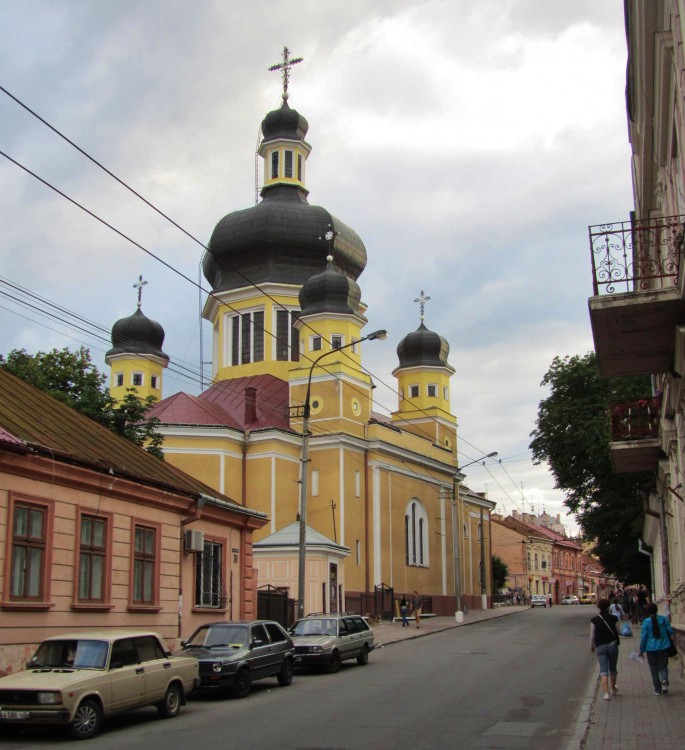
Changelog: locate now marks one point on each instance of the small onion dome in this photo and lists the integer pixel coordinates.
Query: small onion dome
(423, 348)
(284, 123)
(137, 334)
(330, 292)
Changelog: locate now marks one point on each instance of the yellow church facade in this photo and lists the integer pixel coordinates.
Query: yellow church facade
(288, 336)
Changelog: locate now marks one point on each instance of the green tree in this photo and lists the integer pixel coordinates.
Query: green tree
(72, 378)
(500, 573)
(573, 437)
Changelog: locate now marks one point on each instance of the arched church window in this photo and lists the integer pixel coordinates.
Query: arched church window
(416, 534)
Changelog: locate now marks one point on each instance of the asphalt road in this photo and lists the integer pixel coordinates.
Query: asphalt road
(511, 682)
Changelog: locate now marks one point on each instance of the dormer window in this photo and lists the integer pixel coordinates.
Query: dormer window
(288, 166)
(336, 341)
(274, 165)
(315, 343)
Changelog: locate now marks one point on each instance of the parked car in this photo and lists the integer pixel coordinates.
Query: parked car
(328, 640)
(538, 600)
(78, 680)
(232, 655)
(570, 599)
(588, 599)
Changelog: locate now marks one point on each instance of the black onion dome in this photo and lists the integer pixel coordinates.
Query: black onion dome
(137, 334)
(330, 292)
(280, 240)
(284, 123)
(423, 348)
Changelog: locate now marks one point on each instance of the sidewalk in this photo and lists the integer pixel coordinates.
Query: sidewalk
(633, 720)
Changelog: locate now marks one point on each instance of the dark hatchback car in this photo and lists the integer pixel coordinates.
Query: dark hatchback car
(232, 655)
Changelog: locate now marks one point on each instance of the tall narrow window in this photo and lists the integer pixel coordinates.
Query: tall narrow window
(144, 564)
(299, 167)
(209, 580)
(29, 542)
(287, 347)
(288, 164)
(336, 341)
(92, 558)
(413, 391)
(432, 390)
(119, 379)
(274, 165)
(315, 343)
(416, 534)
(235, 340)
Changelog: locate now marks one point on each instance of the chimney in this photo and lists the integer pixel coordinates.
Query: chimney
(250, 405)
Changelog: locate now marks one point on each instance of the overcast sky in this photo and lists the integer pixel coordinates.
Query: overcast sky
(468, 143)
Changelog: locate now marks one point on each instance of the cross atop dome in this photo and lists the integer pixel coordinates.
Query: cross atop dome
(421, 300)
(139, 286)
(285, 68)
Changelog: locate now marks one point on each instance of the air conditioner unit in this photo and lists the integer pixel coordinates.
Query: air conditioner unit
(194, 540)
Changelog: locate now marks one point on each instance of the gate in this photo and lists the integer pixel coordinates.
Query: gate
(273, 603)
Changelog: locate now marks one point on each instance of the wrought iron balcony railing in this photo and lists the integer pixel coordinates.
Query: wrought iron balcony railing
(636, 256)
(635, 420)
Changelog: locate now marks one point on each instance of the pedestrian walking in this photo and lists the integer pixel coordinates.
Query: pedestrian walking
(403, 611)
(417, 603)
(655, 641)
(604, 641)
(617, 610)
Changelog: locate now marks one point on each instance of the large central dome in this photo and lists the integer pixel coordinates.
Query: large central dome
(282, 239)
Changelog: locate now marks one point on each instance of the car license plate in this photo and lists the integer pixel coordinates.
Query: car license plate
(298, 658)
(14, 715)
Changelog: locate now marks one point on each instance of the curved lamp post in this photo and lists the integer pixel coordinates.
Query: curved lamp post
(456, 528)
(381, 334)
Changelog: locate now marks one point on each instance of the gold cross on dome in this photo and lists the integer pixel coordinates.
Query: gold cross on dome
(421, 300)
(285, 68)
(139, 286)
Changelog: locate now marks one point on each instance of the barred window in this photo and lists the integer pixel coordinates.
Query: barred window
(209, 583)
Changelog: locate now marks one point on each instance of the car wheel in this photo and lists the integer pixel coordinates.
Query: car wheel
(334, 662)
(285, 676)
(171, 704)
(241, 684)
(363, 657)
(87, 720)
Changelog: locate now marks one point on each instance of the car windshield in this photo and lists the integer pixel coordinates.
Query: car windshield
(74, 653)
(315, 626)
(218, 636)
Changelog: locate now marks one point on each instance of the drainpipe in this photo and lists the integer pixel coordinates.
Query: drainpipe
(366, 522)
(665, 568)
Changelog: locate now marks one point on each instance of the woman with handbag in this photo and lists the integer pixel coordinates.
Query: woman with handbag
(655, 641)
(604, 642)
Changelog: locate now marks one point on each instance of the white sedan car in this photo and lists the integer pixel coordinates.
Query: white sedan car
(570, 599)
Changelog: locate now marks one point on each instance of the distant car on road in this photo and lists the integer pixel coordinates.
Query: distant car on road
(232, 655)
(588, 599)
(78, 680)
(328, 640)
(538, 600)
(570, 599)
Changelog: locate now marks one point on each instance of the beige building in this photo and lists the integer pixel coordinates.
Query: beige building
(638, 308)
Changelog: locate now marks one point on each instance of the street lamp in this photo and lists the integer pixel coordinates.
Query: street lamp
(380, 335)
(456, 527)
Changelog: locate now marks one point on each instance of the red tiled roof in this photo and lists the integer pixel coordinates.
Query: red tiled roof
(47, 426)
(224, 404)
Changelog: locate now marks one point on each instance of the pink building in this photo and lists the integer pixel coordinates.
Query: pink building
(95, 532)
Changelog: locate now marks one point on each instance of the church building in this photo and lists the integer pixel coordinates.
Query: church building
(288, 426)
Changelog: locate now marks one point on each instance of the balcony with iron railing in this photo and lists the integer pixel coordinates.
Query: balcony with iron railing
(635, 435)
(637, 294)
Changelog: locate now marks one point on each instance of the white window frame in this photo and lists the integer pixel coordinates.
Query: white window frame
(133, 379)
(335, 338)
(154, 382)
(412, 388)
(228, 336)
(417, 552)
(435, 389)
(119, 380)
(315, 339)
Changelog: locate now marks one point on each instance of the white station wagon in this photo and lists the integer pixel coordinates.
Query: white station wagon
(77, 680)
